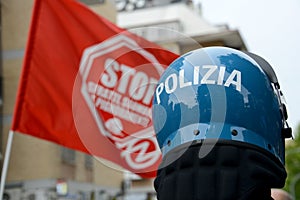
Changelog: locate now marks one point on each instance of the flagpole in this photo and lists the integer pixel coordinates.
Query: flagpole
(6, 161)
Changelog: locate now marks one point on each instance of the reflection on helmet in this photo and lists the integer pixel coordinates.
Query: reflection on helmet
(218, 93)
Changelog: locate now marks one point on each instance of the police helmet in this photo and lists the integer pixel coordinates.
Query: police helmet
(220, 93)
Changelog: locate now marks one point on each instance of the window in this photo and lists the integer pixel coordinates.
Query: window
(91, 2)
(130, 5)
(88, 162)
(68, 156)
(160, 31)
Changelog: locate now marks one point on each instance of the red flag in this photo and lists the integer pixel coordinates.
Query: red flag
(87, 84)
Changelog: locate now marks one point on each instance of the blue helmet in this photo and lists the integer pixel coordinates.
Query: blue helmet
(220, 93)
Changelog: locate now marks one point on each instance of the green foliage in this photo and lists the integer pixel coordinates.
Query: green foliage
(293, 165)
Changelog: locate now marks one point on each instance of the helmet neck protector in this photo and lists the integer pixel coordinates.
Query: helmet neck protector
(232, 170)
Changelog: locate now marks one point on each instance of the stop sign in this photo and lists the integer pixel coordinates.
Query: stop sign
(117, 81)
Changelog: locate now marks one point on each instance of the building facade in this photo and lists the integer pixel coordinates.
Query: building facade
(177, 26)
(36, 165)
(39, 169)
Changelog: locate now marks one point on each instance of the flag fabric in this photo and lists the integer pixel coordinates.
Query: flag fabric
(87, 84)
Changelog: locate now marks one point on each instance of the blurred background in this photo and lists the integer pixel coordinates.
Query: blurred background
(42, 170)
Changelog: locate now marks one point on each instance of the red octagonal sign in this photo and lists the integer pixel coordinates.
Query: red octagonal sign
(112, 111)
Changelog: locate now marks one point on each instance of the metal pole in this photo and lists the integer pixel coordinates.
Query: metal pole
(6, 162)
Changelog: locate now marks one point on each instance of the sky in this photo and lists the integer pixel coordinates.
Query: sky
(271, 29)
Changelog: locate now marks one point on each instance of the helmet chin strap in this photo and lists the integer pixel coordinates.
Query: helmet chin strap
(232, 170)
